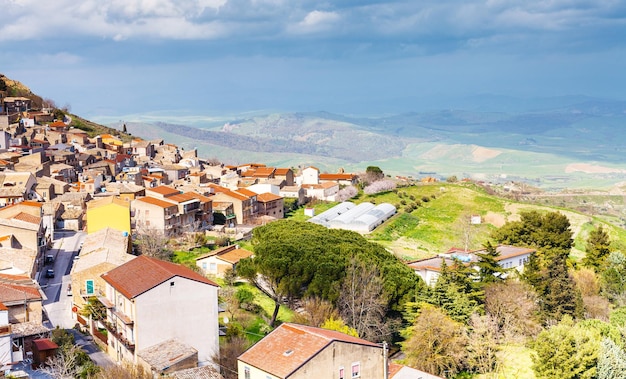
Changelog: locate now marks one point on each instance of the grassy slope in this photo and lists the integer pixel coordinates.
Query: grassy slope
(442, 223)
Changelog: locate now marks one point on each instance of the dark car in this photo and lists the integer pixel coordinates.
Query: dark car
(49, 273)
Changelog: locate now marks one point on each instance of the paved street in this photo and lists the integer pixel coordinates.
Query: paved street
(58, 305)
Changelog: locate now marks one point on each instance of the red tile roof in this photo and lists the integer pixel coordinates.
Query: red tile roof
(264, 171)
(16, 288)
(157, 202)
(144, 273)
(289, 346)
(282, 171)
(267, 197)
(336, 176)
(27, 218)
(45, 344)
(246, 192)
(165, 190)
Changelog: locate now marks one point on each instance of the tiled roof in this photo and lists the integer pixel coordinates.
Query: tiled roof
(106, 201)
(282, 171)
(264, 171)
(181, 197)
(165, 354)
(27, 218)
(144, 273)
(165, 190)
(45, 344)
(157, 202)
(246, 192)
(289, 346)
(15, 288)
(267, 197)
(203, 372)
(234, 256)
(336, 176)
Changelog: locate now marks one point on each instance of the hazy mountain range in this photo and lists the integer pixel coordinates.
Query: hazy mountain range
(554, 145)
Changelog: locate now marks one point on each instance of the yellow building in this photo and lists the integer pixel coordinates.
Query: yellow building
(108, 212)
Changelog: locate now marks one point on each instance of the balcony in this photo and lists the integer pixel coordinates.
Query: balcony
(111, 328)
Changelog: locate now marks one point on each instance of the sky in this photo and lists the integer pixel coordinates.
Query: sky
(116, 57)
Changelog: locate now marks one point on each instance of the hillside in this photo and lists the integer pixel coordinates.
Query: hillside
(576, 146)
(441, 221)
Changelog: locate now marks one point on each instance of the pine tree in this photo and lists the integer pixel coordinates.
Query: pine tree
(559, 295)
(489, 271)
(597, 248)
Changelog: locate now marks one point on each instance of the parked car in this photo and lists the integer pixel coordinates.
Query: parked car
(49, 259)
(50, 273)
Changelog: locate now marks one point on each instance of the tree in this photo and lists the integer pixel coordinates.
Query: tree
(612, 360)
(549, 233)
(588, 284)
(232, 348)
(558, 293)
(362, 303)
(373, 173)
(337, 324)
(94, 309)
(436, 343)
(613, 278)
(482, 344)
(489, 271)
(125, 370)
(566, 351)
(597, 248)
(153, 243)
(316, 311)
(513, 305)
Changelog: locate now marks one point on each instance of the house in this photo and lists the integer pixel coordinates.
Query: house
(218, 261)
(286, 175)
(150, 301)
(270, 206)
(108, 212)
(339, 178)
(101, 252)
(310, 175)
(297, 351)
(23, 238)
(153, 213)
(510, 257)
(21, 298)
(16, 187)
(323, 191)
(244, 203)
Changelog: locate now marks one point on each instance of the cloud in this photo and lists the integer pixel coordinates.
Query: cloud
(315, 21)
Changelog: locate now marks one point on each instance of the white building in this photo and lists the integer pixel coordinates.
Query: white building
(150, 301)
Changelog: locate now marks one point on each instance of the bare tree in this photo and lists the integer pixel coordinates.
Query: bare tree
(380, 186)
(514, 308)
(227, 357)
(347, 193)
(362, 304)
(124, 371)
(153, 243)
(315, 312)
(64, 365)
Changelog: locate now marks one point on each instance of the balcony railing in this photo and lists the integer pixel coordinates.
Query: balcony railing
(123, 340)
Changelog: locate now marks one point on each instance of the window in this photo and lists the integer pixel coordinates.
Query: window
(246, 372)
(341, 373)
(356, 370)
(213, 267)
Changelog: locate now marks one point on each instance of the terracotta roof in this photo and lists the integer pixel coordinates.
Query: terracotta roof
(234, 256)
(27, 218)
(157, 202)
(507, 251)
(264, 171)
(336, 176)
(202, 198)
(246, 192)
(106, 201)
(267, 197)
(45, 344)
(165, 190)
(289, 346)
(144, 273)
(16, 288)
(282, 171)
(181, 197)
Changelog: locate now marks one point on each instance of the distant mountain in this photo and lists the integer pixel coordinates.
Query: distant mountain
(578, 144)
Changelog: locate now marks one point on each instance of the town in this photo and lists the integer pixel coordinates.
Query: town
(89, 285)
